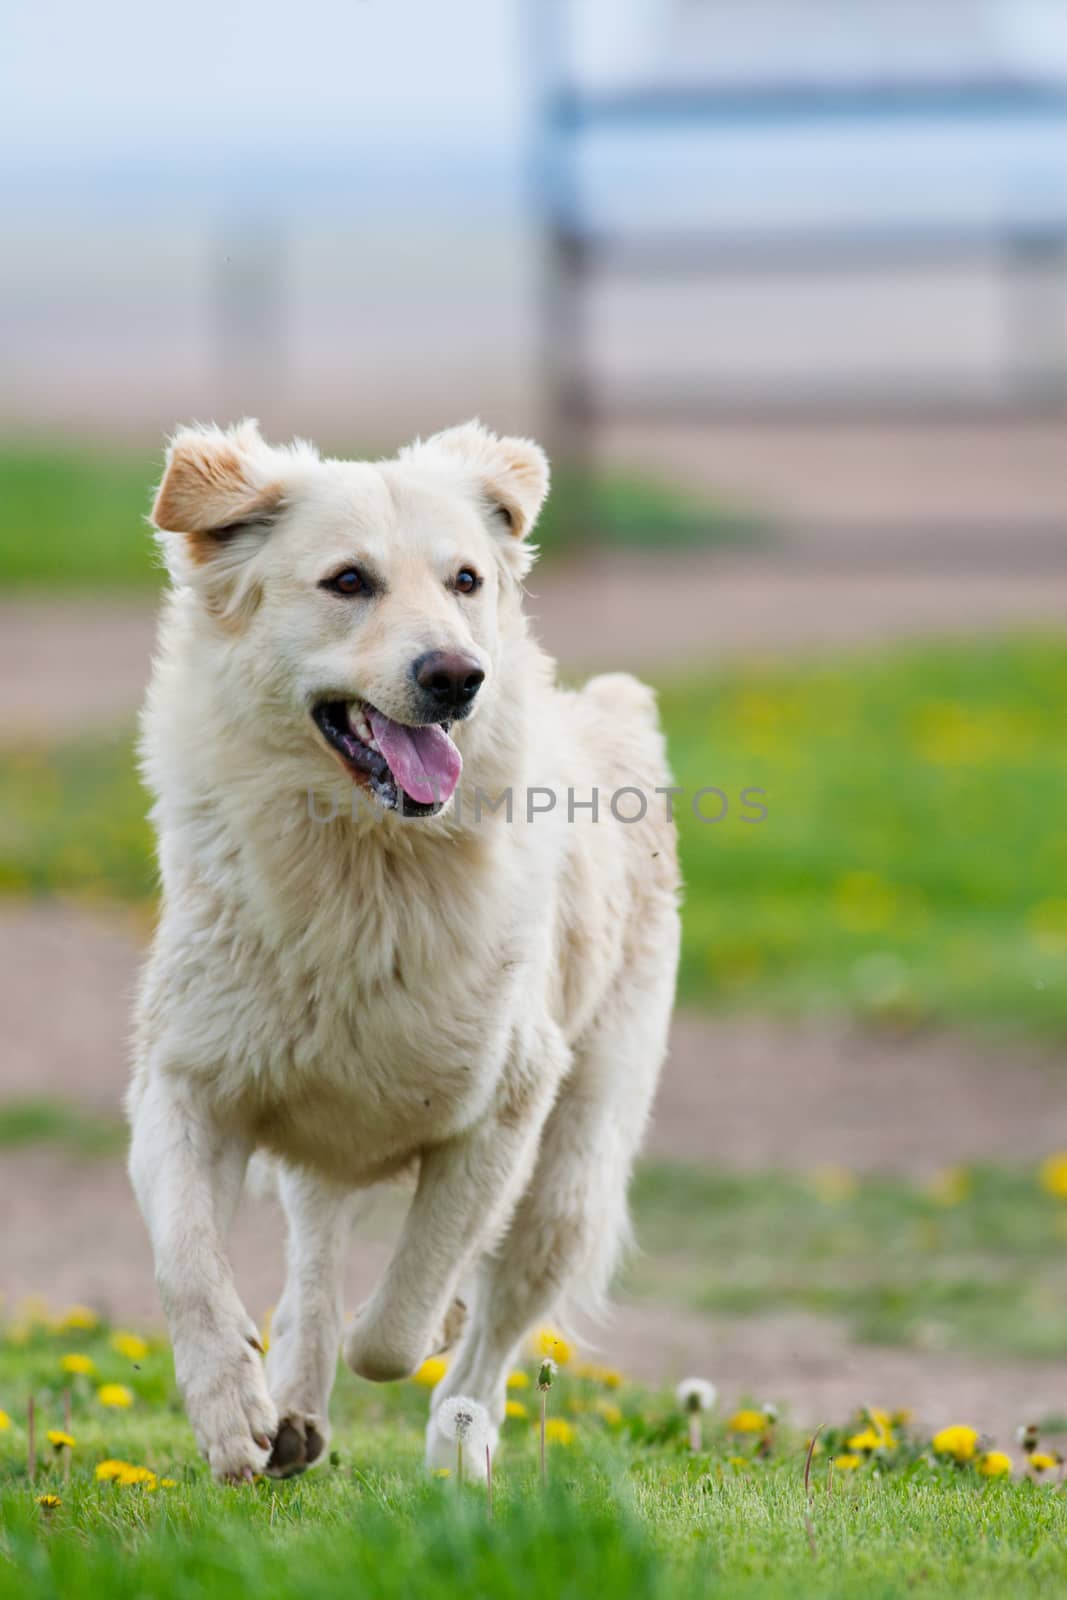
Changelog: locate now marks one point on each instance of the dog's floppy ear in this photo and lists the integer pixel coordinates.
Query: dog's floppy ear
(510, 474)
(220, 490)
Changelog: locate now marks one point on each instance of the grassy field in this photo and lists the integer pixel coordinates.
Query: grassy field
(628, 1510)
(911, 867)
(74, 518)
(970, 1260)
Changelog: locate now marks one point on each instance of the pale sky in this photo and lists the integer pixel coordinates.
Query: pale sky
(390, 81)
(125, 77)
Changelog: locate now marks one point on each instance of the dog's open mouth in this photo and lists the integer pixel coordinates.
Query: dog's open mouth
(408, 768)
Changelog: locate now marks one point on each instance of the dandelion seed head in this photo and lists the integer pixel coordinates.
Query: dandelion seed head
(696, 1394)
(463, 1420)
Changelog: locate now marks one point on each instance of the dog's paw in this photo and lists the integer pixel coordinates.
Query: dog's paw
(232, 1413)
(378, 1356)
(299, 1443)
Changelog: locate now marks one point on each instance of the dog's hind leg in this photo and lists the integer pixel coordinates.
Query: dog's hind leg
(306, 1327)
(569, 1226)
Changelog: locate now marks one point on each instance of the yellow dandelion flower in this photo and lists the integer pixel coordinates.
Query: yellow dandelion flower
(611, 1413)
(1043, 1460)
(868, 1439)
(129, 1345)
(1047, 926)
(168, 1483)
(950, 1187)
(518, 1380)
(130, 1476)
(49, 1502)
(75, 1362)
(847, 1463)
(608, 1376)
(882, 1422)
(958, 1441)
(515, 1408)
(114, 1394)
(747, 1421)
(995, 1464)
(739, 1463)
(558, 1431)
(77, 1319)
(431, 1372)
(61, 1440)
(550, 1342)
(833, 1184)
(5, 1422)
(1053, 1174)
(442, 1472)
(107, 1471)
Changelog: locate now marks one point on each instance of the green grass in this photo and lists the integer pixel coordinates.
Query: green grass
(72, 821)
(52, 1122)
(74, 518)
(975, 1265)
(912, 866)
(628, 1511)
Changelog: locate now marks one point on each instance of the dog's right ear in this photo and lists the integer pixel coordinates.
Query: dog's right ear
(220, 491)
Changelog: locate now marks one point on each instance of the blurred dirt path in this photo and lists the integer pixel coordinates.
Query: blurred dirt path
(71, 664)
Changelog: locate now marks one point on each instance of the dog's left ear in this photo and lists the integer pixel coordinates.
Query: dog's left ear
(511, 475)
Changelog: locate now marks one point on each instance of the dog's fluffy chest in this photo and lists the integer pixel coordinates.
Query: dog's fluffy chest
(354, 1025)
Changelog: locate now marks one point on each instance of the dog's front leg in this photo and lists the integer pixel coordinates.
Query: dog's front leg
(187, 1174)
(467, 1188)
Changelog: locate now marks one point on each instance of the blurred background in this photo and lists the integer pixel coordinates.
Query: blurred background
(782, 284)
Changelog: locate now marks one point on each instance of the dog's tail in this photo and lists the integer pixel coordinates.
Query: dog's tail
(621, 691)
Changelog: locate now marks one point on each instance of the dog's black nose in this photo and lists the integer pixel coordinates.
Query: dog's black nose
(449, 679)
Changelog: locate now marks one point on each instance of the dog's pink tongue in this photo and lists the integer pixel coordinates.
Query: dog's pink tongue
(424, 761)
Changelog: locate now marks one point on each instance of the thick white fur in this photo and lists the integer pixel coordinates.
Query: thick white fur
(482, 1002)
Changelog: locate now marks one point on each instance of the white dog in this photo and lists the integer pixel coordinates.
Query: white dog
(469, 982)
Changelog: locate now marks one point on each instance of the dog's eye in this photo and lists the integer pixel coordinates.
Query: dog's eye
(466, 581)
(350, 581)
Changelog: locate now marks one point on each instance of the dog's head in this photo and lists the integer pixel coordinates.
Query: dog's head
(360, 601)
